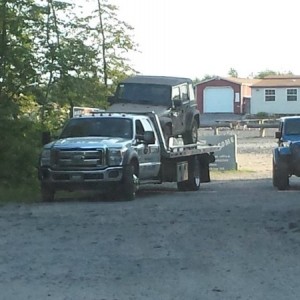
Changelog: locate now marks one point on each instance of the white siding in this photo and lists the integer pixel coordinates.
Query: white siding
(279, 106)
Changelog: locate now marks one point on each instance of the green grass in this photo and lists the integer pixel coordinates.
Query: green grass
(25, 193)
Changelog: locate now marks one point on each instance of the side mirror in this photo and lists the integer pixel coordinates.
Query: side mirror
(46, 137)
(149, 137)
(277, 134)
(177, 102)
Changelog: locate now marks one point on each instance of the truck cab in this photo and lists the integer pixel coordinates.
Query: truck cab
(286, 157)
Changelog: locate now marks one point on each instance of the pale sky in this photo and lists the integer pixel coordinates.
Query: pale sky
(192, 38)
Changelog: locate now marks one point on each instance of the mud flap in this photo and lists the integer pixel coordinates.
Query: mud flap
(204, 161)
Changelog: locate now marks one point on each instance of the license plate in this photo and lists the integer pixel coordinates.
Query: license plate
(76, 177)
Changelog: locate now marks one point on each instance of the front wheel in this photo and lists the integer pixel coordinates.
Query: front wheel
(280, 176)
(191, 136)
(47, 194)
(130, 183)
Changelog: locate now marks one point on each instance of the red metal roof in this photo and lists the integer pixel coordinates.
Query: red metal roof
(241, 81)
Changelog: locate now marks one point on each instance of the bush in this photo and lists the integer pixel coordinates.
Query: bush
(262, 115)
(20, 192)
(20, 144)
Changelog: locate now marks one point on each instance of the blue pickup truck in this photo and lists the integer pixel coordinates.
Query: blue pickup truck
(286, 157)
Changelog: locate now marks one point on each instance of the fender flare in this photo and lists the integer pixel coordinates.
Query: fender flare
(281, 154)
(129, 156)
(189, 119)
(166, 121)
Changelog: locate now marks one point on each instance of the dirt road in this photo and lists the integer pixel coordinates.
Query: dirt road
(237, 238)
(231, 240)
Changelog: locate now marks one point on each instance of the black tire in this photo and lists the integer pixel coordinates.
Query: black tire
(280, 176)
(194, 175)
(130, 183)
(205, 160)
(274, 176)
(182, 186)
(193, 182)
(191, 136)
(47, 194)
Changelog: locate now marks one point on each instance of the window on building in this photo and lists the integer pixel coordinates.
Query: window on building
(269, 95)
(291, 94)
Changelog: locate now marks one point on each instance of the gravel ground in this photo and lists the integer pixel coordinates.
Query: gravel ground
(249, 140)
(254, 153)
(238, 238)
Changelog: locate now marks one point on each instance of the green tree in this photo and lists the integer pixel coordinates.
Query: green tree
(18, 132)
(111, 40)
(266, 73)
(233, 73)
(207, 77)
(17, 60)
(50, 60)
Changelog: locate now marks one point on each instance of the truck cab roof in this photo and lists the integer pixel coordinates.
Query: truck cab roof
(290, 128)
(132, 116)
(159, 80)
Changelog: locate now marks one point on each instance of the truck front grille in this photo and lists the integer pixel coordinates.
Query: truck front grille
(78, 159)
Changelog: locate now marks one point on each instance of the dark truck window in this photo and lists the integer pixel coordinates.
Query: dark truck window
(145, 94)
(104, 127)
(292, 127)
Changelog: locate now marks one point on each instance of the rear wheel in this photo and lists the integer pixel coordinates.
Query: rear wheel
(182, 186)
(193, 182)
(191, 136)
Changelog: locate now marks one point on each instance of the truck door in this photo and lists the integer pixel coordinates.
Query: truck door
(149, 155)
(181, 97)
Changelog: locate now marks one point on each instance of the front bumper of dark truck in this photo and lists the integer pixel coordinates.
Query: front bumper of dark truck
(103, 179)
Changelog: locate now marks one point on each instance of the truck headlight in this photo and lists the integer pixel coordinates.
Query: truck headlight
(45, 157)
(115, 156)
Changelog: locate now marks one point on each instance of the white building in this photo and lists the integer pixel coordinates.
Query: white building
(276, 95)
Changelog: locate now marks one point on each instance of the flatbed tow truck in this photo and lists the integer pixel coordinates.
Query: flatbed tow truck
(117, 152)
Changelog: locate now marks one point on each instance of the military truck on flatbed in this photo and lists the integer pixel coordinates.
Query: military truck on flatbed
(116, 153)
(286, 157)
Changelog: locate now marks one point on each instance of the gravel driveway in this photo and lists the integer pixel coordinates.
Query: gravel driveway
(234, 239)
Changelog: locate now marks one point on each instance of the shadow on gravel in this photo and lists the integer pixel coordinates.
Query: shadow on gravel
(170, 189)
(95, 196)
(261, 183)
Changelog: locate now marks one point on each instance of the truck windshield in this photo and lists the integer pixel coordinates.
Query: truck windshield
(292, 127)
(102, 127)
(152, 94)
